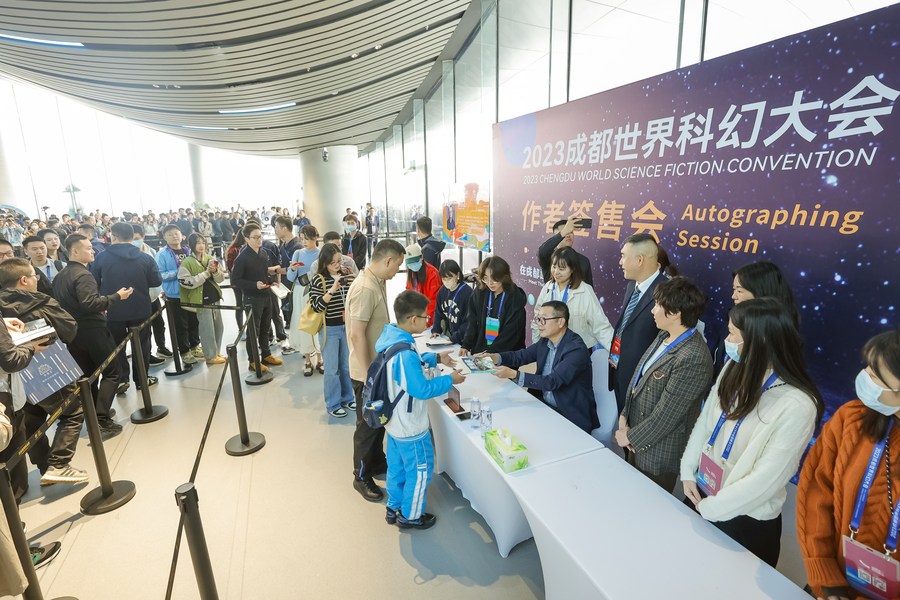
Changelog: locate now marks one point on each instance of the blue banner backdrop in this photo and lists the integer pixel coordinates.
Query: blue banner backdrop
(785, 152)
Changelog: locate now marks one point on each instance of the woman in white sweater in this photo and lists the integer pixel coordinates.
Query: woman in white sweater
(750, 436)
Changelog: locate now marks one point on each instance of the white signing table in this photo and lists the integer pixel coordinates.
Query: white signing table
(459, 450)
(603, 530)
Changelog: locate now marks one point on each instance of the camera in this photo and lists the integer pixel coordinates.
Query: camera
(325, 154)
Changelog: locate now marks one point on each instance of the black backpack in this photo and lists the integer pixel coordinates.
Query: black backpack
(377, 407)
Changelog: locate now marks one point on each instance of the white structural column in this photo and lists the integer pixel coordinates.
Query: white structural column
(195, 155)
(329, 186)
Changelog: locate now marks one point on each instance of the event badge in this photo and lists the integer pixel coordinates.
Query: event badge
(710, 475)
(614, 352)
(871, 572)
(491, 329)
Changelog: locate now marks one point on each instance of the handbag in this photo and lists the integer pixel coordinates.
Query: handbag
(312, 322)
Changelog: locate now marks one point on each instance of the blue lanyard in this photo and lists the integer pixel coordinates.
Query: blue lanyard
(491, 303)
(647, 363)
(712, 439)
(458, 290)
(565, 292)
(863, 496)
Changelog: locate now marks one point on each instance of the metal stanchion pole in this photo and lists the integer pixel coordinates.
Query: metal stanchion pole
(246, 442)
(186, 497)
(180, 369)
(111, 494)
(259, 377)
(149, 412)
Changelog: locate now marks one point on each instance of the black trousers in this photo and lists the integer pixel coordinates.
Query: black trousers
(238, 301)
(119, 331)
(187, 327)
(18, 474)
(762, 538)
(159, 326)
(42, 453)
(89, 349)
(261, 313)
(277, 323)
(368, 443)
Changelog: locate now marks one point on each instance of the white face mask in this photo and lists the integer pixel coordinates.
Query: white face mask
(870, 392)
(414, 266)
(731, 349)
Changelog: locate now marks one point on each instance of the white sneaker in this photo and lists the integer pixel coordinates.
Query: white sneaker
(66, 474)
(286, 348)
(188, 358)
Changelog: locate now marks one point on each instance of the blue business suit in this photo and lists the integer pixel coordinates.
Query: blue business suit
(570, 380)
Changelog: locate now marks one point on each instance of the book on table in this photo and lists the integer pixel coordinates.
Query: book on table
(478, 365)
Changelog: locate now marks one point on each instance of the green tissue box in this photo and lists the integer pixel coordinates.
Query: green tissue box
(508, 452)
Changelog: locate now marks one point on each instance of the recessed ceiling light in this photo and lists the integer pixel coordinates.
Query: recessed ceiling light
(240, 111)
(378, 46)
(334, 93)
(177, 87)
(156, 85)
(19, 38)
(354, 55)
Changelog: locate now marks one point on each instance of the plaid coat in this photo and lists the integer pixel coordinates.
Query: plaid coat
(664, 404)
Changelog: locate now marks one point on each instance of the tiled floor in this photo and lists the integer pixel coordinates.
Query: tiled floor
(283, 523)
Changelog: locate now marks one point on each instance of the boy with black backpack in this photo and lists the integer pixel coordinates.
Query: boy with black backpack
(402, 411)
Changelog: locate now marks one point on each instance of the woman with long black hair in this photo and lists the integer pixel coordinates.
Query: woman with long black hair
(757, 421)
(496, 311)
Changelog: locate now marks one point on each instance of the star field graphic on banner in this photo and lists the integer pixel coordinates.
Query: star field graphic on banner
(785, 152)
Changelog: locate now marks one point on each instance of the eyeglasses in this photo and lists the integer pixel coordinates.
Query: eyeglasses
(488, 280)
(420, 317)
(543, 320)
(8, 254)
(254, 237)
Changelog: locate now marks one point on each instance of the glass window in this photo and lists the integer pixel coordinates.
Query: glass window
(524, 56)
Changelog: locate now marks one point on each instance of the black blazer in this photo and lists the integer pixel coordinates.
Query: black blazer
(639, 333)
(512, 322)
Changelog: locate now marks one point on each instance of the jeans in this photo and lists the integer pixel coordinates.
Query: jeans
(211, 330)
(336, 355)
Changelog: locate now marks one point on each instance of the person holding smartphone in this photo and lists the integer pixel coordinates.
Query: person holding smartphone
(199, 277)
(299, 273)
(564, 237)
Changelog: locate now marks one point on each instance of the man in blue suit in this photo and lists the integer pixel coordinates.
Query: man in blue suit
(563, 375)
(636, 329)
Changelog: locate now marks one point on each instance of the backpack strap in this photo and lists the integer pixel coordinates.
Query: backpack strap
(390, 353)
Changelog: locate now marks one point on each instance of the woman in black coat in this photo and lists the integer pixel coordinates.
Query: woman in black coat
(496, 311)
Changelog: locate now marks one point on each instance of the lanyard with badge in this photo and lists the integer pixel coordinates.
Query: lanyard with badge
(447, 305)
(651, 360)
(873, 572)
(711, 474)
(492, 324)
(565, 297)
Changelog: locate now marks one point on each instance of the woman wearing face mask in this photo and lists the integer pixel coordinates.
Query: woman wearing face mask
(752, 431)
(353, 243)
(422, 277)
(450, 313)
(496, 311)
(299, 273)
(758, 280)
(856, 454)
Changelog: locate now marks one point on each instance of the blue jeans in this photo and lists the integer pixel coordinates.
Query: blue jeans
(336, 356)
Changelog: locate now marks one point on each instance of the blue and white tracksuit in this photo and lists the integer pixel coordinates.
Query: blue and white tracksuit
(410, 454)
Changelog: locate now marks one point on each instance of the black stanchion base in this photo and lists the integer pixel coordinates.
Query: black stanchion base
(174, 372)
(235, 447)
(142, 415)
(95, 504)
(252, 379)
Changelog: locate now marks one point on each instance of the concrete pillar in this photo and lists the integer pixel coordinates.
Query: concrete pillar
(329, 187)
(196, 157)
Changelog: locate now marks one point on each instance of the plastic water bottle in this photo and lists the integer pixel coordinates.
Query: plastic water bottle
(487, 419)
(475, 421)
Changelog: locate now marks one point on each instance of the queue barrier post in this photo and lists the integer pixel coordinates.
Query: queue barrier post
(247, 442)
(111, 494)
(188, 504)
(180, 368)
(149, 412)
(258, 377)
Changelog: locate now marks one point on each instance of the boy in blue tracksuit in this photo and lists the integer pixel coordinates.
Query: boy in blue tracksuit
(410, 454)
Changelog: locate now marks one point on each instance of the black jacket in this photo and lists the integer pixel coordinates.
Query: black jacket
(76, 291)
(640, 331)
(250, 267)
(227, 230)
(30, 306)
(431, 250)
(512, 321)
(124, 266)
(545, 255)
(358, 246)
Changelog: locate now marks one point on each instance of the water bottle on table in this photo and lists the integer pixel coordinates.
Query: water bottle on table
(475, 409)
(487, 419)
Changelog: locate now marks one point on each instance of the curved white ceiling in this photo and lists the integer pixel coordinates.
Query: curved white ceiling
(329, 71)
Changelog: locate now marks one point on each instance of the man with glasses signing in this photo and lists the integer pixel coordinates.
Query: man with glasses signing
(563, 374)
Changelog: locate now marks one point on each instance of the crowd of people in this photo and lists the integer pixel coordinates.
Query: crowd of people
(730, 418)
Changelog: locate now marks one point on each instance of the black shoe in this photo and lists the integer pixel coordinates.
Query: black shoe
(123, 387)
(164, 351)
(112, 414)
(390, 515)
(42, 555)
(155, 361)
(423, 522)
(151, 380)
(108, 427)
(368, 490)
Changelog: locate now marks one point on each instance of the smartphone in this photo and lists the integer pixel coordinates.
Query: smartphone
(584, 223)
(464, 416)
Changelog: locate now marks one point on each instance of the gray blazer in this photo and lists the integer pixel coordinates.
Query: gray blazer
(662, 408)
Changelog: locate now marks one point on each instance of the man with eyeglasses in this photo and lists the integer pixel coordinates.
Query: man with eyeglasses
(253, 276)
(563, 377)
